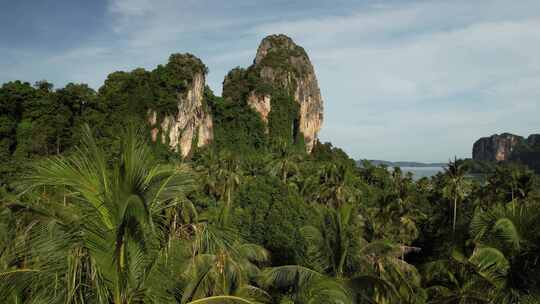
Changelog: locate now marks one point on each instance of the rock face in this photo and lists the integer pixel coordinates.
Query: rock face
(509, 147)
(192, 123)
(280, 66)
(261, 104)
(496, 147)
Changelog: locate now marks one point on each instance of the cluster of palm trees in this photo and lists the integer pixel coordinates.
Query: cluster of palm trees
(504, 249)
(94, 231)
(87, 228)
(119, 233)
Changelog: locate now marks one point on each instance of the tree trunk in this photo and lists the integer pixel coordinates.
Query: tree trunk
(455, 213)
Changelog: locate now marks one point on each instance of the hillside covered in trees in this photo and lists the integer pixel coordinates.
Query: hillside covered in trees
(154, 190)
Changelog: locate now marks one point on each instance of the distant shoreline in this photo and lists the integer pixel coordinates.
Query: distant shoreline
(410, 164)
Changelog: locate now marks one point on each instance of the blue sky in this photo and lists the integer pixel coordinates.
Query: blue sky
(401, 80)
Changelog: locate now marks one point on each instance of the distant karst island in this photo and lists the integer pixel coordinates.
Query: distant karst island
(507, 147)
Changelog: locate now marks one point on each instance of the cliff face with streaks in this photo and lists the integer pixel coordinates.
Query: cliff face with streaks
(280, 89)
(509, 147)
(496, 147)
(281, 71)
(190, 124)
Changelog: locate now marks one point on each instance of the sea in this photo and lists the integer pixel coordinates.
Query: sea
(419, 172)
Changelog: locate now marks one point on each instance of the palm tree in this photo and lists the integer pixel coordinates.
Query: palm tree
(510, 181)
(221, 175)
(454, 282)
(456, 188)
(218, 263)
(393, 213)
(206, 166)
(337, 183)
(338, 255)
(305, 285)
(316, 282)
(255, 164)
(229, 175)
(286, 163)
(329, 244)
(510, 230)
(505, 253)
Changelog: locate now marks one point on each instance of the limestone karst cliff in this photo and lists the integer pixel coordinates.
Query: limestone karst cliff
(509, 147)
(190, 124)
(496, 147)
(281, 72)
(275, 102)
